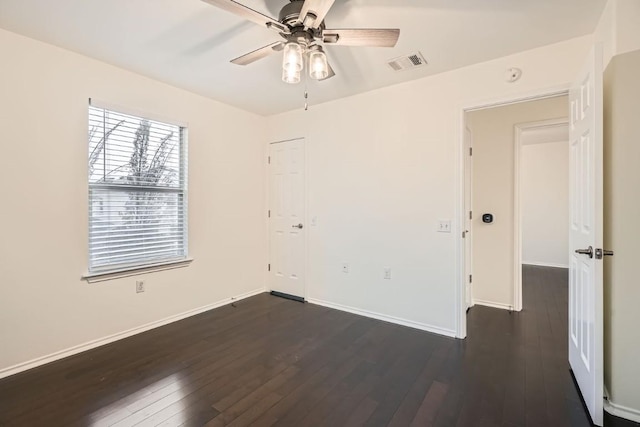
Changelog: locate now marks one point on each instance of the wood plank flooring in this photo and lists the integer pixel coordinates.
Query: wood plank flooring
(270, 361)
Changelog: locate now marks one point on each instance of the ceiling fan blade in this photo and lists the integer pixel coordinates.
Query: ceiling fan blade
(362, 37)
(263, 52)
(247, 13)
(317, 7)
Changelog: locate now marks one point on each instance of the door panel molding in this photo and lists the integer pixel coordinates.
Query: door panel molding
(586, 343)
(287, 207)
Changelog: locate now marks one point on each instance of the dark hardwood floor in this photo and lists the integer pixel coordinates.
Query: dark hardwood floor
(270, 361)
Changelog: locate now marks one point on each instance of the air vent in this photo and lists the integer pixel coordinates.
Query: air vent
(407, 62)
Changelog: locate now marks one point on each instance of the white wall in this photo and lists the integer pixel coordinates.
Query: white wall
(44, 306)
(384, 166)
(619, 33)
(493, 131)
(627, 26)
(622, 234)
(618, 30)
(544, 196)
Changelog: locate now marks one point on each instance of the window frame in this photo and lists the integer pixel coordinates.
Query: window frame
(123, 269)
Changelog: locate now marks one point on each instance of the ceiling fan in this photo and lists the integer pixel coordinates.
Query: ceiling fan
(301, 25)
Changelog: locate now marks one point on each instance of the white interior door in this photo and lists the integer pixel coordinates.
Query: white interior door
(286, 217)
(468, 200)
(585, 235)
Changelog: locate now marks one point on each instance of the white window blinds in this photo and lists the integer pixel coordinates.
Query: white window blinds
(137, 191)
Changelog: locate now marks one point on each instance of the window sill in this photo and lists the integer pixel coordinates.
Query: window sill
(134, 271)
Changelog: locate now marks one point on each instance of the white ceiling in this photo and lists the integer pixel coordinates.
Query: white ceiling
(188, 43)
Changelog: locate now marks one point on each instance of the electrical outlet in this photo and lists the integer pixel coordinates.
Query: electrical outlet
(139, 286)
(387, 273)
(345, 268)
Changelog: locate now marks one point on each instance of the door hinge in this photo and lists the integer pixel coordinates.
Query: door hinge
(464, 234)
(471, 151)
(268, 267)
(269, 213)
(269, 160)
(470, 214)
(470, 278)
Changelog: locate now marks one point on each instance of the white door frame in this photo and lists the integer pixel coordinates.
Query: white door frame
(468, 202)
(517, 202)
(267, 284)
(461, 310)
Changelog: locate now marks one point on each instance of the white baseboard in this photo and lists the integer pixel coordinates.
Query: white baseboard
(30, 364)
(384, 317)
(493, 304)
(544, 264)
(622, 411)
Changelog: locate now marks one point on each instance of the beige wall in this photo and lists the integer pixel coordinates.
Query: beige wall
(44, 306)
(544, 201)
(384, 167)
(618, 30)
(627, 26)
(493, 189)
(621, 231)
(619, 33)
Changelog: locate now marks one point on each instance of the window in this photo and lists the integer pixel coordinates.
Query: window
(137, 191)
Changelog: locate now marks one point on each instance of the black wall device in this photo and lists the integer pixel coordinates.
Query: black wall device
(487, 218)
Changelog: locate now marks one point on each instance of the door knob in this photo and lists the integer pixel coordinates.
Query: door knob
(297, 226)
(588, 251)
(602, 253)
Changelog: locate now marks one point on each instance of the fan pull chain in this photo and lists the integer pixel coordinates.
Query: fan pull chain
(306, 87)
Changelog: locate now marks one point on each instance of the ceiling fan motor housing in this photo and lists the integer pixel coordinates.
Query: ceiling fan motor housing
(290, 12)
(300, 33)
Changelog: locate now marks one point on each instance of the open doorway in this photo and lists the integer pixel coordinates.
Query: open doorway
(579, 307)
(541, 201)
(506, 141)
(517, 193)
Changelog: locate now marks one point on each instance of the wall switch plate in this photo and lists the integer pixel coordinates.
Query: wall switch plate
(444, 226)
(387, 273)
(345, 268)
(139, 286)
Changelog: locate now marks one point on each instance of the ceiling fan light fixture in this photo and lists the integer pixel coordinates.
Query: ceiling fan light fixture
(302, 24)
(291, 76)
(292, 59)
(318, 66)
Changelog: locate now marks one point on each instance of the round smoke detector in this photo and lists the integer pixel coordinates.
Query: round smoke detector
(513, 75)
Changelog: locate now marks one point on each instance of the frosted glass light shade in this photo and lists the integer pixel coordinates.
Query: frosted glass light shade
(291, 75)
(292, 58)
(318, 67)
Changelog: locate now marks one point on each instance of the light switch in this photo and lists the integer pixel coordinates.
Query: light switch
(444, 226)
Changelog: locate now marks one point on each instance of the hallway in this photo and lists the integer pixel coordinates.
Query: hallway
(518, 361)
